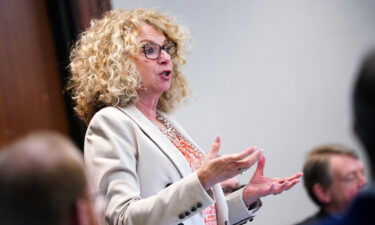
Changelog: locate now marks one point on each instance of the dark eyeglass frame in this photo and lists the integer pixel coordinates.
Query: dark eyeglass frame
(164, 47)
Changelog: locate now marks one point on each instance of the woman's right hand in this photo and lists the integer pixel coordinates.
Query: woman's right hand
(216, 169)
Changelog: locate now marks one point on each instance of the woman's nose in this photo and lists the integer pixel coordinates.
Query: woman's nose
(164, 57)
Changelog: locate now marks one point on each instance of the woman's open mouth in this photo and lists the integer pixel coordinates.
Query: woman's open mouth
(165, 74)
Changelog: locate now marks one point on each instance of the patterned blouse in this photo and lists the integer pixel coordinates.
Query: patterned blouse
(194, 157)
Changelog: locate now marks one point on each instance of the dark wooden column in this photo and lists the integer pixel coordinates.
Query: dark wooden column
(30, 87)
(36, 37)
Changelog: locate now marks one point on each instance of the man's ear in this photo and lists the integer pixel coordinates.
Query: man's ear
(322, 194)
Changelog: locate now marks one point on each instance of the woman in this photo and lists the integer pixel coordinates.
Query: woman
(126, 78)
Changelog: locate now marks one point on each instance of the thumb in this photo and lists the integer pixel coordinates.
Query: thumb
(214, 149)
(260, 166)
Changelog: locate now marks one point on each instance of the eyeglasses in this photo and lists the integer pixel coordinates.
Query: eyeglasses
(152, 50)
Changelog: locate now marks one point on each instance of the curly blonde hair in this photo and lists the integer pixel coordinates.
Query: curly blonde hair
(102, 70)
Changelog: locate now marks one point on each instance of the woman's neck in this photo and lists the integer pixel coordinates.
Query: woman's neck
(148, 106)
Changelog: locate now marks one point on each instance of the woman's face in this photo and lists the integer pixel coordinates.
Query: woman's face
(156, 73)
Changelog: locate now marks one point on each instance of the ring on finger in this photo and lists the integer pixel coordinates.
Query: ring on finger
(241, 170)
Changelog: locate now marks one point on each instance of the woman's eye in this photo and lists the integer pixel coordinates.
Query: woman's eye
(149, 50)
(168, 48)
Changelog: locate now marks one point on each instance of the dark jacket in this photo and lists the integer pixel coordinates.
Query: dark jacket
(362, 211)
(321, 215)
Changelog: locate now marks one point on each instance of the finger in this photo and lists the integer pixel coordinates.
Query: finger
(281, 188)
(294, 176)
(260, 166)
(272, 189)
(291, 184)
(250, 160)
(244, 154)
(214, 149)
(286, 186)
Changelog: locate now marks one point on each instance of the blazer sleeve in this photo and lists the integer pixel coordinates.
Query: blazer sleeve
(238, 212)
(111, 151)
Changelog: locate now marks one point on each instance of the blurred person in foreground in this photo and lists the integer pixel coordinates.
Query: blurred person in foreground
(126, 80)
(43, 182)
(361, 212)
(333, 176)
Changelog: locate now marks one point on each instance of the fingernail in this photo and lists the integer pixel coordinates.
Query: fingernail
(216, 138)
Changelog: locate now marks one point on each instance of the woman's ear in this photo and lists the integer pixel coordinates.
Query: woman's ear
(322, 194)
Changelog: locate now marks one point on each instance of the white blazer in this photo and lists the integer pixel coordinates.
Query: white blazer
(144, 177)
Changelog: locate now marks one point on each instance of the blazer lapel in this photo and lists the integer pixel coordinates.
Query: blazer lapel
(160, 140)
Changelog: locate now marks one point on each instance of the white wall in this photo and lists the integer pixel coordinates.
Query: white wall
(275, 74)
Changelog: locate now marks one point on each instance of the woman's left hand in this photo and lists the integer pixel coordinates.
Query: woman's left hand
(260, 186)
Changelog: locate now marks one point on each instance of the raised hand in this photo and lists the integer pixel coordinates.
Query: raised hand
(260, 186)
(216, 169)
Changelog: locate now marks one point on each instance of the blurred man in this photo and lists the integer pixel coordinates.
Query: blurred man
(361, 211)
(42, 182)
(333, 176)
